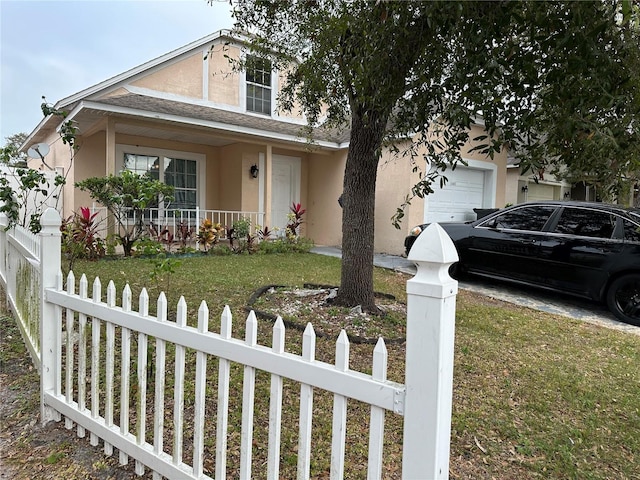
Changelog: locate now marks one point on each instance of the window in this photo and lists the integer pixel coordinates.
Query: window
(530, 219)
(586, 223)
(178, 172)
(258, 74)
(631, 231)
(182, 175)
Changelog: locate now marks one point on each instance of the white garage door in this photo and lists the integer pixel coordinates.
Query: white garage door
(464, 191)
(538, 192)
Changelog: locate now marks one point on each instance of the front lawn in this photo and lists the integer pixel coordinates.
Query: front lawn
(535, 395)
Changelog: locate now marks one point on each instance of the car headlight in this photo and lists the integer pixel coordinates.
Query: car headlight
(415, 231)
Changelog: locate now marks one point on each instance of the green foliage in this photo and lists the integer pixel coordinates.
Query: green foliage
(111, 242)
(299, 245)
(24, 194)
(67, 129)
(10, 155)
(240, 237)
(126, 196)
(414, 76)
(241, 227)
(148, 247)
(163, 269)
(80, 238)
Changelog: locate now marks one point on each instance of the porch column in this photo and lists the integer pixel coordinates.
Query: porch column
(268, 186)
(110, 153)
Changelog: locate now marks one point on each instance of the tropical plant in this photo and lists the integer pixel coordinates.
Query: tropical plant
(240, 237)
(126, 196)
(294, 218)
(80, 239)
(264, 233)
(209, 234)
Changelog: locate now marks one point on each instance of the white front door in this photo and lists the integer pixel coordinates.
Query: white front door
(285, 182)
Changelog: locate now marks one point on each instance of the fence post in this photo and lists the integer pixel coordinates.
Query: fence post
(4, 221)
(431, 310)
(50, 334)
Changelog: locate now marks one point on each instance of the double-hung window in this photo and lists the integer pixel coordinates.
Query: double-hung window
(170, 168)
(258, 76)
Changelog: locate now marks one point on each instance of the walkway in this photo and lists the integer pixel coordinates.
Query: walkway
(581, 309)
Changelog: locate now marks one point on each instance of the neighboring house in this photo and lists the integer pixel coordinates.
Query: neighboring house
(536, 186)
(191, 121)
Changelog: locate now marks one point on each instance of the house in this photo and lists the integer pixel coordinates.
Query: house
(188, 119)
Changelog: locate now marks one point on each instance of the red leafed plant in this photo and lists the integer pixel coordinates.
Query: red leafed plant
(295, 220)
(80, 237)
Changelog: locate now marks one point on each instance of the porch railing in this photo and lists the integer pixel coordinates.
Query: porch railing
(172, 220)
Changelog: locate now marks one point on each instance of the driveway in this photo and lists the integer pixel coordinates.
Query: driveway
(578, 308)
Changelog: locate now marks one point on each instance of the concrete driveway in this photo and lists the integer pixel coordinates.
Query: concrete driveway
(581, 309)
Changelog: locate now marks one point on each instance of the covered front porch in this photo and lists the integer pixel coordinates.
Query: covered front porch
(217, 174)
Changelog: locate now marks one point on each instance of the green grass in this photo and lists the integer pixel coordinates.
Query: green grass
(535, 395)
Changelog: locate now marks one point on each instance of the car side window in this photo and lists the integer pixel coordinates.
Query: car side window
(586, 223)
(631, 231)
(531, 219)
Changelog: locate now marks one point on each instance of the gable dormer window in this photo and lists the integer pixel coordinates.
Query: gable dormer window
(258, 74)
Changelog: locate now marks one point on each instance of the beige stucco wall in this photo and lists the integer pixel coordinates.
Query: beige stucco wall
(224, 85)
(182, 78)
(394, 182)
(296, 112)
(325, 180)
(231, 171)
(89, 162)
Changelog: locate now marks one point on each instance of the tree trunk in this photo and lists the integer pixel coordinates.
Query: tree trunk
(356, 285)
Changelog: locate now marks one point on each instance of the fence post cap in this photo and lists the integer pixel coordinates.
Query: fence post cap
(50, 219)
(433, 246)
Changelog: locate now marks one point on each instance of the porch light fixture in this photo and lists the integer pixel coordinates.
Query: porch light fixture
(254, 171)
(525, 189)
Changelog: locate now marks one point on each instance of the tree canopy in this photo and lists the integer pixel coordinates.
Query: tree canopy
(10, 154)
(545, 77)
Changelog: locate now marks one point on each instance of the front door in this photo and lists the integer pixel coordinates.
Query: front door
(285, 182)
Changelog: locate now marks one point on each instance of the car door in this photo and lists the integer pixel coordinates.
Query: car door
(506, 245)
(580, 250)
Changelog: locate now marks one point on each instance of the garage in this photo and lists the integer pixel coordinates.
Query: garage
(538, 192)
(466, 189)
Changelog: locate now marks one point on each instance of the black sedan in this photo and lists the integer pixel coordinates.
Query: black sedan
(590, 250)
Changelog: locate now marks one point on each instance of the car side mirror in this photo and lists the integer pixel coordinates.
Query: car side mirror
(493, 223)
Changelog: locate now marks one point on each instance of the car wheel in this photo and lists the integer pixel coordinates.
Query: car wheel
(623, 298)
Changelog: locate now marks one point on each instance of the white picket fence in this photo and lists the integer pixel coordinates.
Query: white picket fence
(79, 342)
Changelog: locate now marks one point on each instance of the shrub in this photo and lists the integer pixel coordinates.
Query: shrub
(80, 239)
(148, 247)
(209, 234)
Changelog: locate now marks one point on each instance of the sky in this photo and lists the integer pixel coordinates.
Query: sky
(58, 48)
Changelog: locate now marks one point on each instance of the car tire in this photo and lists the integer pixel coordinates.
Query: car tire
(623, 298)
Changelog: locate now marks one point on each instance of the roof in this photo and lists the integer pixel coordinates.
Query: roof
(85, 108)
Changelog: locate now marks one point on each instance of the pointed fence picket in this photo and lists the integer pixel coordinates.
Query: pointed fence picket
(91, 342)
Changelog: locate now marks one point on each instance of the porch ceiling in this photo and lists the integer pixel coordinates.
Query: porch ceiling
(89, 119)
(141, 115)
(201, 124)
